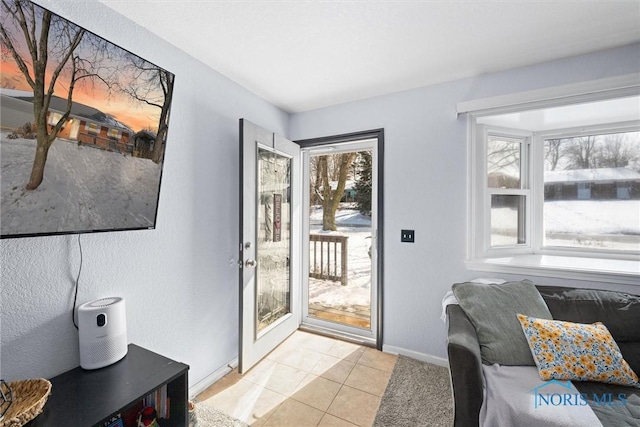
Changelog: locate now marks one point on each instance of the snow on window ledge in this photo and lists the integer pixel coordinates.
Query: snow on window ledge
(564, 267)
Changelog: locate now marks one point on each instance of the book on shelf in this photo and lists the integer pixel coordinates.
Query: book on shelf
(115, 421)
(159, 400)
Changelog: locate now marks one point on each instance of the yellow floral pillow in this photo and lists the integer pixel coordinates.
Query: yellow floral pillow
(575, 351)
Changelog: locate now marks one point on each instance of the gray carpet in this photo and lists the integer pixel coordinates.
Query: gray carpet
(418, 394)
(208, 416)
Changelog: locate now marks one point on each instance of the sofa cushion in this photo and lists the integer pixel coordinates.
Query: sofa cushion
(619, 311)
(615, 412)
(575, 351)
(631, 353)
(492, 309)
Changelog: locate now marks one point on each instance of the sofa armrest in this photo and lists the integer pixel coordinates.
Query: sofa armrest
(465, 367)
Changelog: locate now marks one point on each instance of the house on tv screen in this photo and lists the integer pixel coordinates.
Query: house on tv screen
(86, 125)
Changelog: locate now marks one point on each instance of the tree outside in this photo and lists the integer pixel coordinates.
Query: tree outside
(340, 178)
(618, 150)
(331, 196)
(363, 183)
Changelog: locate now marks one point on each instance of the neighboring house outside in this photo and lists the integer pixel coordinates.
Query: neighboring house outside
(349, 194)
(86, 125)
(502, 180)
(592, 184)
(349, 190)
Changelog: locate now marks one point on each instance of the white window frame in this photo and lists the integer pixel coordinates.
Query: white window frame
(538, 145)
(482, 187)
(533, 258)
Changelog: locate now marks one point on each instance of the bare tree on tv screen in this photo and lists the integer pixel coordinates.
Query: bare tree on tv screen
(54, 55)
(153, 86)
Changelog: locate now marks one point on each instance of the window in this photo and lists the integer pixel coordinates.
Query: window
(599, 205)
(54, 118)
(556, 184)
(91, 127)
(507, 188)
(113, 133)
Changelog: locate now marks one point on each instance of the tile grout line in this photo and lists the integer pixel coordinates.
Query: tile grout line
(273, 411)
(341, 384)
(326, 352)
(340, 389)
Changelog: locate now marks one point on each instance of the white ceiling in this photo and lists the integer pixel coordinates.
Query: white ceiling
(302, 55)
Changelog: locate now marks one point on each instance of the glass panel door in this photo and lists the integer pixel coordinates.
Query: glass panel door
(273, 276)
(269, 249)
(340, 285)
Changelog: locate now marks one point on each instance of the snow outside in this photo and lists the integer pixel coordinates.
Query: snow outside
(357, 292)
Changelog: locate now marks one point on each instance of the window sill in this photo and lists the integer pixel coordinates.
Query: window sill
(592, 269)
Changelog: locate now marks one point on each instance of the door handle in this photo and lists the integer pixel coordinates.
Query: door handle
(251, 263)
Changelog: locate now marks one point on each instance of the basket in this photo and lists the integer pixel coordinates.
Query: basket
(29, 397)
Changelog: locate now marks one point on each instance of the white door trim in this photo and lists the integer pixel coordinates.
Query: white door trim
(373, 335)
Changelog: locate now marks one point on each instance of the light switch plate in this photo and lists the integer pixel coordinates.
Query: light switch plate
(407, 236)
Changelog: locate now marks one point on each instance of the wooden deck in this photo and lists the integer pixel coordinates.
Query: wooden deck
(352, 315)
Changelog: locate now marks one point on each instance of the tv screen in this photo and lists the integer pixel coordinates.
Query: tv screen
(84, 126)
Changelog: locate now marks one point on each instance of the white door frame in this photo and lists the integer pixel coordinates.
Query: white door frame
(358, 141)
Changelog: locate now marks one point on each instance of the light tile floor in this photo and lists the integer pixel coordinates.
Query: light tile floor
(309, 380)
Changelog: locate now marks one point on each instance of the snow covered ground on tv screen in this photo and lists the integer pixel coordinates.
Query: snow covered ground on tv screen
(84, 189)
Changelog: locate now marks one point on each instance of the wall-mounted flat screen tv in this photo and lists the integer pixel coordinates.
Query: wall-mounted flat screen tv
(83, 128)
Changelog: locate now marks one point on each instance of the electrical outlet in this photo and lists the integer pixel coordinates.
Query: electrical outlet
(407, 236)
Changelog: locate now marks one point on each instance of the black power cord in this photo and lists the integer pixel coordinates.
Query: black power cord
(75, 297)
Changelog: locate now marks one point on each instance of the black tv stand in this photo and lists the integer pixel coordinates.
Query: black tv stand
(91, 398)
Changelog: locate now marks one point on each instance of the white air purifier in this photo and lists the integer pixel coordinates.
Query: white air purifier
(102, 325)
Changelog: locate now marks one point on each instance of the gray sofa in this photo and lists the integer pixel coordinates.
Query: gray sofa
(619, 312)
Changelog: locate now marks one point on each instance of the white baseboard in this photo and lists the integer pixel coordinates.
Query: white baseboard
(210, 379)
(423, 357)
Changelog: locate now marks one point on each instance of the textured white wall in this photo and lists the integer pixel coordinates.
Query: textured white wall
(425, 184)
(180, 289)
